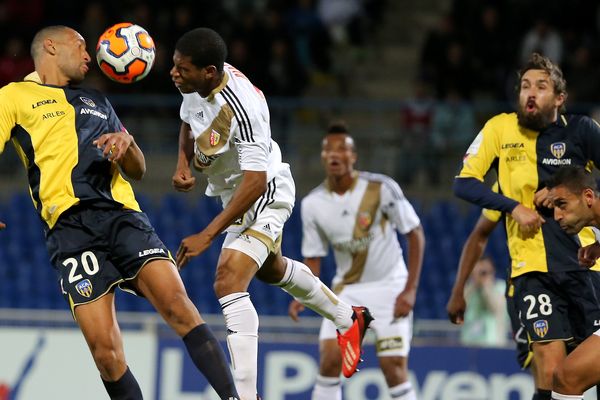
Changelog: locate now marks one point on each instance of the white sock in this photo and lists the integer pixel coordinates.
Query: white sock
(403, 391)
(241, 320)
(300, 282)
(558, 396)
(327, 388)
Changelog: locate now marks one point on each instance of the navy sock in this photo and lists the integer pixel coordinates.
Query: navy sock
(209, 358)
(125, 388)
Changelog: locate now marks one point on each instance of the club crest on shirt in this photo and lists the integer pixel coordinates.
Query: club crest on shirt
(541, 327)
(84, 288)
(558, 149)
(364, 220)
(214, 138)
(87, 101)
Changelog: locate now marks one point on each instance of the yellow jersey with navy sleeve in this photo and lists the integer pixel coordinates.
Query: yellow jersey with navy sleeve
(523, 160)
(52, 129)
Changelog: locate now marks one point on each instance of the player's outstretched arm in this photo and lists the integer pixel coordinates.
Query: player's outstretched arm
(133, 163)
(252, 186)
(2, 225)
(471, 252)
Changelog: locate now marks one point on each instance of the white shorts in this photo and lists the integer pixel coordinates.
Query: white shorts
(258, 233)
(392, 336)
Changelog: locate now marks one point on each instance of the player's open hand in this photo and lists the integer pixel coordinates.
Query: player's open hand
(588, 255)
(456, 308)
(405, 303)
(190, 247)
(529, 220)
(2, 225)
(294, 309)
(183, 180)
(114, 145)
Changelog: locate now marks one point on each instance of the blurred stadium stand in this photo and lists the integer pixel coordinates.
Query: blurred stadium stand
(28, 281)
(393, 71)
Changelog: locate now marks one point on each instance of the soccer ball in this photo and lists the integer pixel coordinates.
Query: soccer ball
(125, 52)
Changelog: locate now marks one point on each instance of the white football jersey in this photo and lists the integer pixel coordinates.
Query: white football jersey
(232, 134)
(360, 225)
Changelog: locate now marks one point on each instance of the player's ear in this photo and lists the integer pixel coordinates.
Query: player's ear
(211, 71)
(49, 46)
(589, 195)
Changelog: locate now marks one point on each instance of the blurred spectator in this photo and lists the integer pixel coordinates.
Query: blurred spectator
(452, 129)
(544, 39)
(182, 21)
(455, 72)
(490, 55)
(341, 18)
(416, 116)
(584, 78)
(486, 319)
(94, 23)
(15, 61)
(310, 37)
(285, 75)
(435, 48)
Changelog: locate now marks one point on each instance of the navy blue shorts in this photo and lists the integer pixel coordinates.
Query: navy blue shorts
(94, 249)
(559, 305)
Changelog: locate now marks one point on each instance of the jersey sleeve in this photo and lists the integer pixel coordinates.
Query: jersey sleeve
(482, 152)
(314, 242)
(253, 140)
(397, 208)
(490, 214)
(8, 117)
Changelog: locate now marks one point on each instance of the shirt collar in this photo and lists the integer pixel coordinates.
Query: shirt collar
(221, 86)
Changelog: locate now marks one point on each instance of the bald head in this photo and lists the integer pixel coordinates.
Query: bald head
(50, 32)
(59, 55)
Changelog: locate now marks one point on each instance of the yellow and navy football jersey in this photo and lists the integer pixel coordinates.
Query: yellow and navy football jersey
(524, 160)
(52, 129)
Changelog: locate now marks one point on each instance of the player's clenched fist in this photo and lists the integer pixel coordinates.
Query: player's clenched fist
(183, 181)
(588, 255)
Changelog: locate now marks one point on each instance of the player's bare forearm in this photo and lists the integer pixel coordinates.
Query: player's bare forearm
(252, 186)
(472, 251)
(120, 148)
(416, 249)
(186, 145)
(314, 264)
(133, 163)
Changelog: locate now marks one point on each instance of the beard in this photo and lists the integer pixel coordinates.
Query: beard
(536, 121)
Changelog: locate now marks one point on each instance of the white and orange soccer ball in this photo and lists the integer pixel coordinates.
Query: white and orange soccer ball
(125, 52)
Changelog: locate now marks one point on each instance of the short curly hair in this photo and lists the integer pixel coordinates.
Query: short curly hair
(204, 46)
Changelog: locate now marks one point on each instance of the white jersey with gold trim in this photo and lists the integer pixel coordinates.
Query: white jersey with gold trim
(232, 134)
(360, 226)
